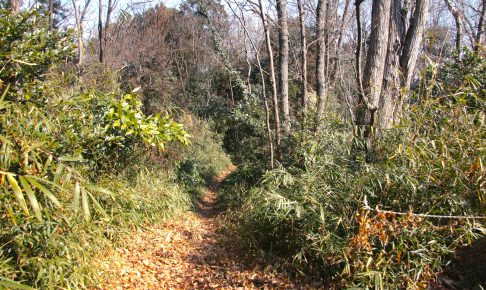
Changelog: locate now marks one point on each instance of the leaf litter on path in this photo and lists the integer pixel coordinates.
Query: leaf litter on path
(191, 253)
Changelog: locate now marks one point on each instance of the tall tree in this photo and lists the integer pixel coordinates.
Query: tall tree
(101, 56)
(273, 80)
(458, 21)
(321, 60)
(283, 37)
(340, 36)
(392, 55)
(109, 11)
(14, 5)
(241, 19)
(79, 15)
(303, 59)
(103, 30)
(480, 31)
(51, 14)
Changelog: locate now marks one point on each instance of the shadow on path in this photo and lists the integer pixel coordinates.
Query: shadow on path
(208, 206)
(192, 252)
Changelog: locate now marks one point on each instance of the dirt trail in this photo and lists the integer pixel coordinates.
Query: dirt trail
(191, 253)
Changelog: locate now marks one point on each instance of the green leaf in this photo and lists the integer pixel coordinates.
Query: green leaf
(44, 190)
(11, 214)
(84, 198)
(57, 175)
(97, 205)
(18, 192)
(77, 191)
(4, 93)
(99, 189)
(9, 284)
(31, 196)
(71, 158)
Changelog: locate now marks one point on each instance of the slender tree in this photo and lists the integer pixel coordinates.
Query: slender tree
(79, 15)
(101, 56)
(458, 22)
(109, 11)
(480, 31)
(283, 37)
(241, 19)
(303, 59)
(321, 61)
(14, 5)
(273, 80)
(339, 43)
(51, 14)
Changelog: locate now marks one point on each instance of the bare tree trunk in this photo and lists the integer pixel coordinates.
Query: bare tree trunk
(321, 61)
(458, 21)
(375, 60)
(329, 38)
(303, 57)
(101, 57)
(284, 62)
(51, 16)
(411, 46)
(107, 26)
(79, 18)
(390, 94)
(367, 101)
(273, 81)
(480, 31)
(14, 5)
(342, 27)
(401, 59)
(359, 48)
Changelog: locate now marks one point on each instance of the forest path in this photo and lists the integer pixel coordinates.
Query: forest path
(192, 253)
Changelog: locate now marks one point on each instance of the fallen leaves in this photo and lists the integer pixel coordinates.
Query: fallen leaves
(189, 253)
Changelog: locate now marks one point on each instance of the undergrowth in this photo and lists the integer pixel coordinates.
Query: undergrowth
(318, 215)
(81, 166)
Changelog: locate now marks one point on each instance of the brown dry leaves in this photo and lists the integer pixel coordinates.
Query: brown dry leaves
(190, 253)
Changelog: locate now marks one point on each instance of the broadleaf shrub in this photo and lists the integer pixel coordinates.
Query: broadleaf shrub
(78, 166)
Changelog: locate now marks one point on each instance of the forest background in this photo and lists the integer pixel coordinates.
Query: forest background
(358, 129)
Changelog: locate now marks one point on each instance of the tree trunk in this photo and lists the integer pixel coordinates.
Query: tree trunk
(472, 259)
(457, 19)
(413, 38)
(101, 57)
(390, 94)
(107, 26)
(303, 58)
(14, 5)
(401, 59)
(339, 42)
(321, 61)
(273, 81)
(51, 15)
(367, 101)
(480, 31)
(284, 62)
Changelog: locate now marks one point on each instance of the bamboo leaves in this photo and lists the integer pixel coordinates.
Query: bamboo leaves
(18, 192)
(82, 197)
(31, 196)
(44, 190)
(9, 284)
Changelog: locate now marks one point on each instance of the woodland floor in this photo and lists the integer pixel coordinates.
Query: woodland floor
(192, 253)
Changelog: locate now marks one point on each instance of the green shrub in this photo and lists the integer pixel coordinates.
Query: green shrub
(29, 49)
(74, 171)
(310, 214)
